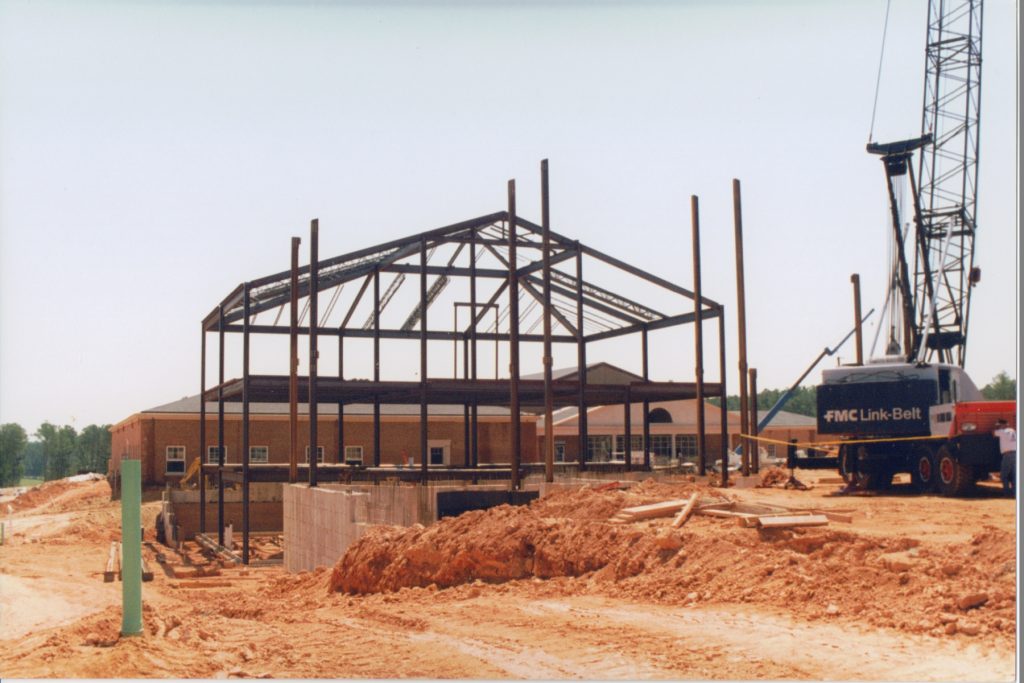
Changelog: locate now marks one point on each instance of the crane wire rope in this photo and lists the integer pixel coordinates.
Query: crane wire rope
(878, 78)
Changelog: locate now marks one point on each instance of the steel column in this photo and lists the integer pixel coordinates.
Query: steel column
(581, 361)
(245, 426)
(424, 456)
(627, 446)
(202, 431)
(698, 330)
(473, 428)
(376, 367)
(741, 316)
(513, 351)
(724, 412)
(647, 404)
(293, 372)
(549, 400)
(753, 412)
(341, 405)
(314, 239)
(220, 428)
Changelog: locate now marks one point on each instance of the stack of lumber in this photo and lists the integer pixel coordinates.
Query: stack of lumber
(760, 515)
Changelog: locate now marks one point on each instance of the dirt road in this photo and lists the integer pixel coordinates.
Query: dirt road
(871, 600)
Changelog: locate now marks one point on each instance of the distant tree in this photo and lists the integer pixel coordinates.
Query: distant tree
(94, 448)
(33, 460)
(12, 448)
(60, 449)
(802, 402)
(1001, 388)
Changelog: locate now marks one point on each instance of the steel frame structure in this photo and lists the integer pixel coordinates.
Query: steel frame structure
(574, 311)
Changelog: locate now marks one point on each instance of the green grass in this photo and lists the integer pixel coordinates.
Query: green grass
(30, 481)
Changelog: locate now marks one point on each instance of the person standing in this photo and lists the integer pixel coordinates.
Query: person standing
(1007, 436)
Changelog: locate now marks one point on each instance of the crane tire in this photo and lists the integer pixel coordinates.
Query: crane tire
(922, 468)
(953, 477)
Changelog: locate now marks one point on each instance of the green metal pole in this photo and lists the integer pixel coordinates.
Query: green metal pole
(131, 548)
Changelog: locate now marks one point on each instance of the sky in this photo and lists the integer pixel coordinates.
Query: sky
(154, 155)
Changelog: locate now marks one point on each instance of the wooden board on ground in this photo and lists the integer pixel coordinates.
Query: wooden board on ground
(663, 509)
(110, 572)
(779, 521)
(685, 513)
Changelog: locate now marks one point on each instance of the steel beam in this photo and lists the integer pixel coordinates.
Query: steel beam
(698, 334)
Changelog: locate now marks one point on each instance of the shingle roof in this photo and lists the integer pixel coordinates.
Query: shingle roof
(190, 404)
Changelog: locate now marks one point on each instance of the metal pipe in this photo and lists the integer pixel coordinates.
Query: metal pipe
(314, 240)
(752, 372)
(293, 372)
(376, 367)
(858, 338)
(724, 413)
(581, 362)
(647, 404)
(698, 334)
(549, 400)
(220, 429)
(741, 316)
(202, 431)
(131, 548)
(424, 457)
(245, 426)
(513, 351)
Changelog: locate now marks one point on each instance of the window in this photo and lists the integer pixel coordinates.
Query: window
(599, 448)
(661, 445)
(354, 454)
(659, 416)
(211, 455)
(175, 460)
(319, 454)
(259, 454)
(436, 455)
(686, 447)
(636, 444)
(438, 452)
(559, 451)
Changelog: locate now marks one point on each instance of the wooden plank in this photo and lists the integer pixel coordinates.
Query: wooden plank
(685, 513)
(779, 521)
(109, 572)
(147, 572)
(663, 509)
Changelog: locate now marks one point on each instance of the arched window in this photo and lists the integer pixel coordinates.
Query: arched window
(659, 416)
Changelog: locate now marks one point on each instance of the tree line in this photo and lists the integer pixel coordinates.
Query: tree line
(56, 452)
(804, 400)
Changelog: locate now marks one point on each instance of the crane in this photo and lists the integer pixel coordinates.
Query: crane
(915, 410)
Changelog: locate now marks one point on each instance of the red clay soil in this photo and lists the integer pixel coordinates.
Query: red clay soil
(822, 572)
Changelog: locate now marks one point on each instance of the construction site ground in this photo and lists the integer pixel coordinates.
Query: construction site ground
(912, 588)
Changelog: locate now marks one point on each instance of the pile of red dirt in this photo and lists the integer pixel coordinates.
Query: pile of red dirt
(773, 476)
(63, 495)
(820, 572)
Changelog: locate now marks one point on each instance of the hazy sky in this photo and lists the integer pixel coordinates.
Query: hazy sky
(153, 155)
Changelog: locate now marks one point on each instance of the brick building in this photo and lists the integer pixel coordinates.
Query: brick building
(166, 438)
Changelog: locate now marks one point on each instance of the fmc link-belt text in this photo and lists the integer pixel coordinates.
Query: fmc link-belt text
(872, 415)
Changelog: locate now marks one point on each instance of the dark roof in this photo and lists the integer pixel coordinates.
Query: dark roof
(572, 373)
(784, 418)
(190, 404)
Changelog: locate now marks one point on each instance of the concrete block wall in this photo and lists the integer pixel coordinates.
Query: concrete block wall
(319, 524)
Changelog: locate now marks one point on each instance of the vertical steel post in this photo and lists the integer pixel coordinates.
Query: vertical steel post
(698, 334)
(855, 279)
(627, 438)
(466, 456)
(341, 404)
(293, 374)
(753, 411)
(741, 316)
(722, 397)
(513, 338)
(220, 428)
(549, 399)
(473, 428)
(245, 424)
(131, 548)
(314, 291)
(376, 367)
(581, 361)
(424, 456)
(647, 404)
(202, 432)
